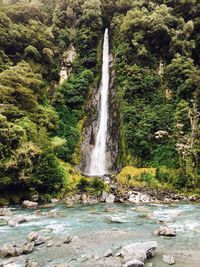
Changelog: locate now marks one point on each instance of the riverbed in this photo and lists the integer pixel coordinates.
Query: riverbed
(94, 232)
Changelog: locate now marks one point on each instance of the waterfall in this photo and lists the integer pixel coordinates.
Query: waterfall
(98, 166)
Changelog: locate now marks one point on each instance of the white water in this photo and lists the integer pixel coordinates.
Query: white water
(98, 156)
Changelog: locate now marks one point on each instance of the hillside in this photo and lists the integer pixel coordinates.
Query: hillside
(155, 47)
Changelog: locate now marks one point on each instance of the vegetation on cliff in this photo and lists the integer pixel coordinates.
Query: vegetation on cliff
(156, 47)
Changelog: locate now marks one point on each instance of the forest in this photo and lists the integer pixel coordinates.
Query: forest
(156, 48)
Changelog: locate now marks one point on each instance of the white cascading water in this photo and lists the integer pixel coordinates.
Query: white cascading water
(98, 156)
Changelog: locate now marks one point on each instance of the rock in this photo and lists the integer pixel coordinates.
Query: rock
(29, 204)
(139, 251)
(49, 244)
(104, 196)
(40, 240)
(134, 263)
(168, 259)
(110, 198)
(115, 219)
(31, 263)
(28, 247)
(5, 212)
(68, 239)
(148, 264)
(54, 200)
(18, 251)
(192, 198)
(37, 238)
(17, 220)
(35, 197)
(19, 261)
(137, 197)
(165, 231)
(8, 250)
(107, 180)
(108, 253)
(32, 236)
(84, 198)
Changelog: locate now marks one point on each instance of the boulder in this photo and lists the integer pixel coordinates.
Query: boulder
(108, 253)
(8, 250)
(134, 263)
(68, 239)
(19, 261)
(104, 196)
(28, 247)
(37, 238)
(31, 263)
(17, 220)
(29, 204)
(110, 198)
(138, 197)
(84, 198)
(165, 231)
(49, 244)
(5, 212)
(116, 219)
(107, 180)
(168, 259)
(139, 251)
(40, 240)
(32, 236)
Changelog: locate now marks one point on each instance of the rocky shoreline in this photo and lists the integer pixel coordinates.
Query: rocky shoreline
(136, 195)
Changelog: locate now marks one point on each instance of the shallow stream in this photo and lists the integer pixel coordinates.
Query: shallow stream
(95, 233)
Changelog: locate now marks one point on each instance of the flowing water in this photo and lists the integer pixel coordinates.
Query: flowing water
(98, 155)
(91, 224)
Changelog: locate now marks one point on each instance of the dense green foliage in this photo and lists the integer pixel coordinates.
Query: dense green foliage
(157, 63)
(156, 47)
(39, 119)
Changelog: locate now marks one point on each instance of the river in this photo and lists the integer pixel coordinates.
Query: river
(94, 233)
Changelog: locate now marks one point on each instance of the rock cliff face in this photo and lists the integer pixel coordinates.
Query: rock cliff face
(67, 63)
(90, 128)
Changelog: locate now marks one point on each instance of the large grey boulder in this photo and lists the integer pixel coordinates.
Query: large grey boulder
(134, 263)
(29, 204)
(139, 251)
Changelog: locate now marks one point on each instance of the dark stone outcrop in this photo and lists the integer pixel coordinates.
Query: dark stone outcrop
(90, 127)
